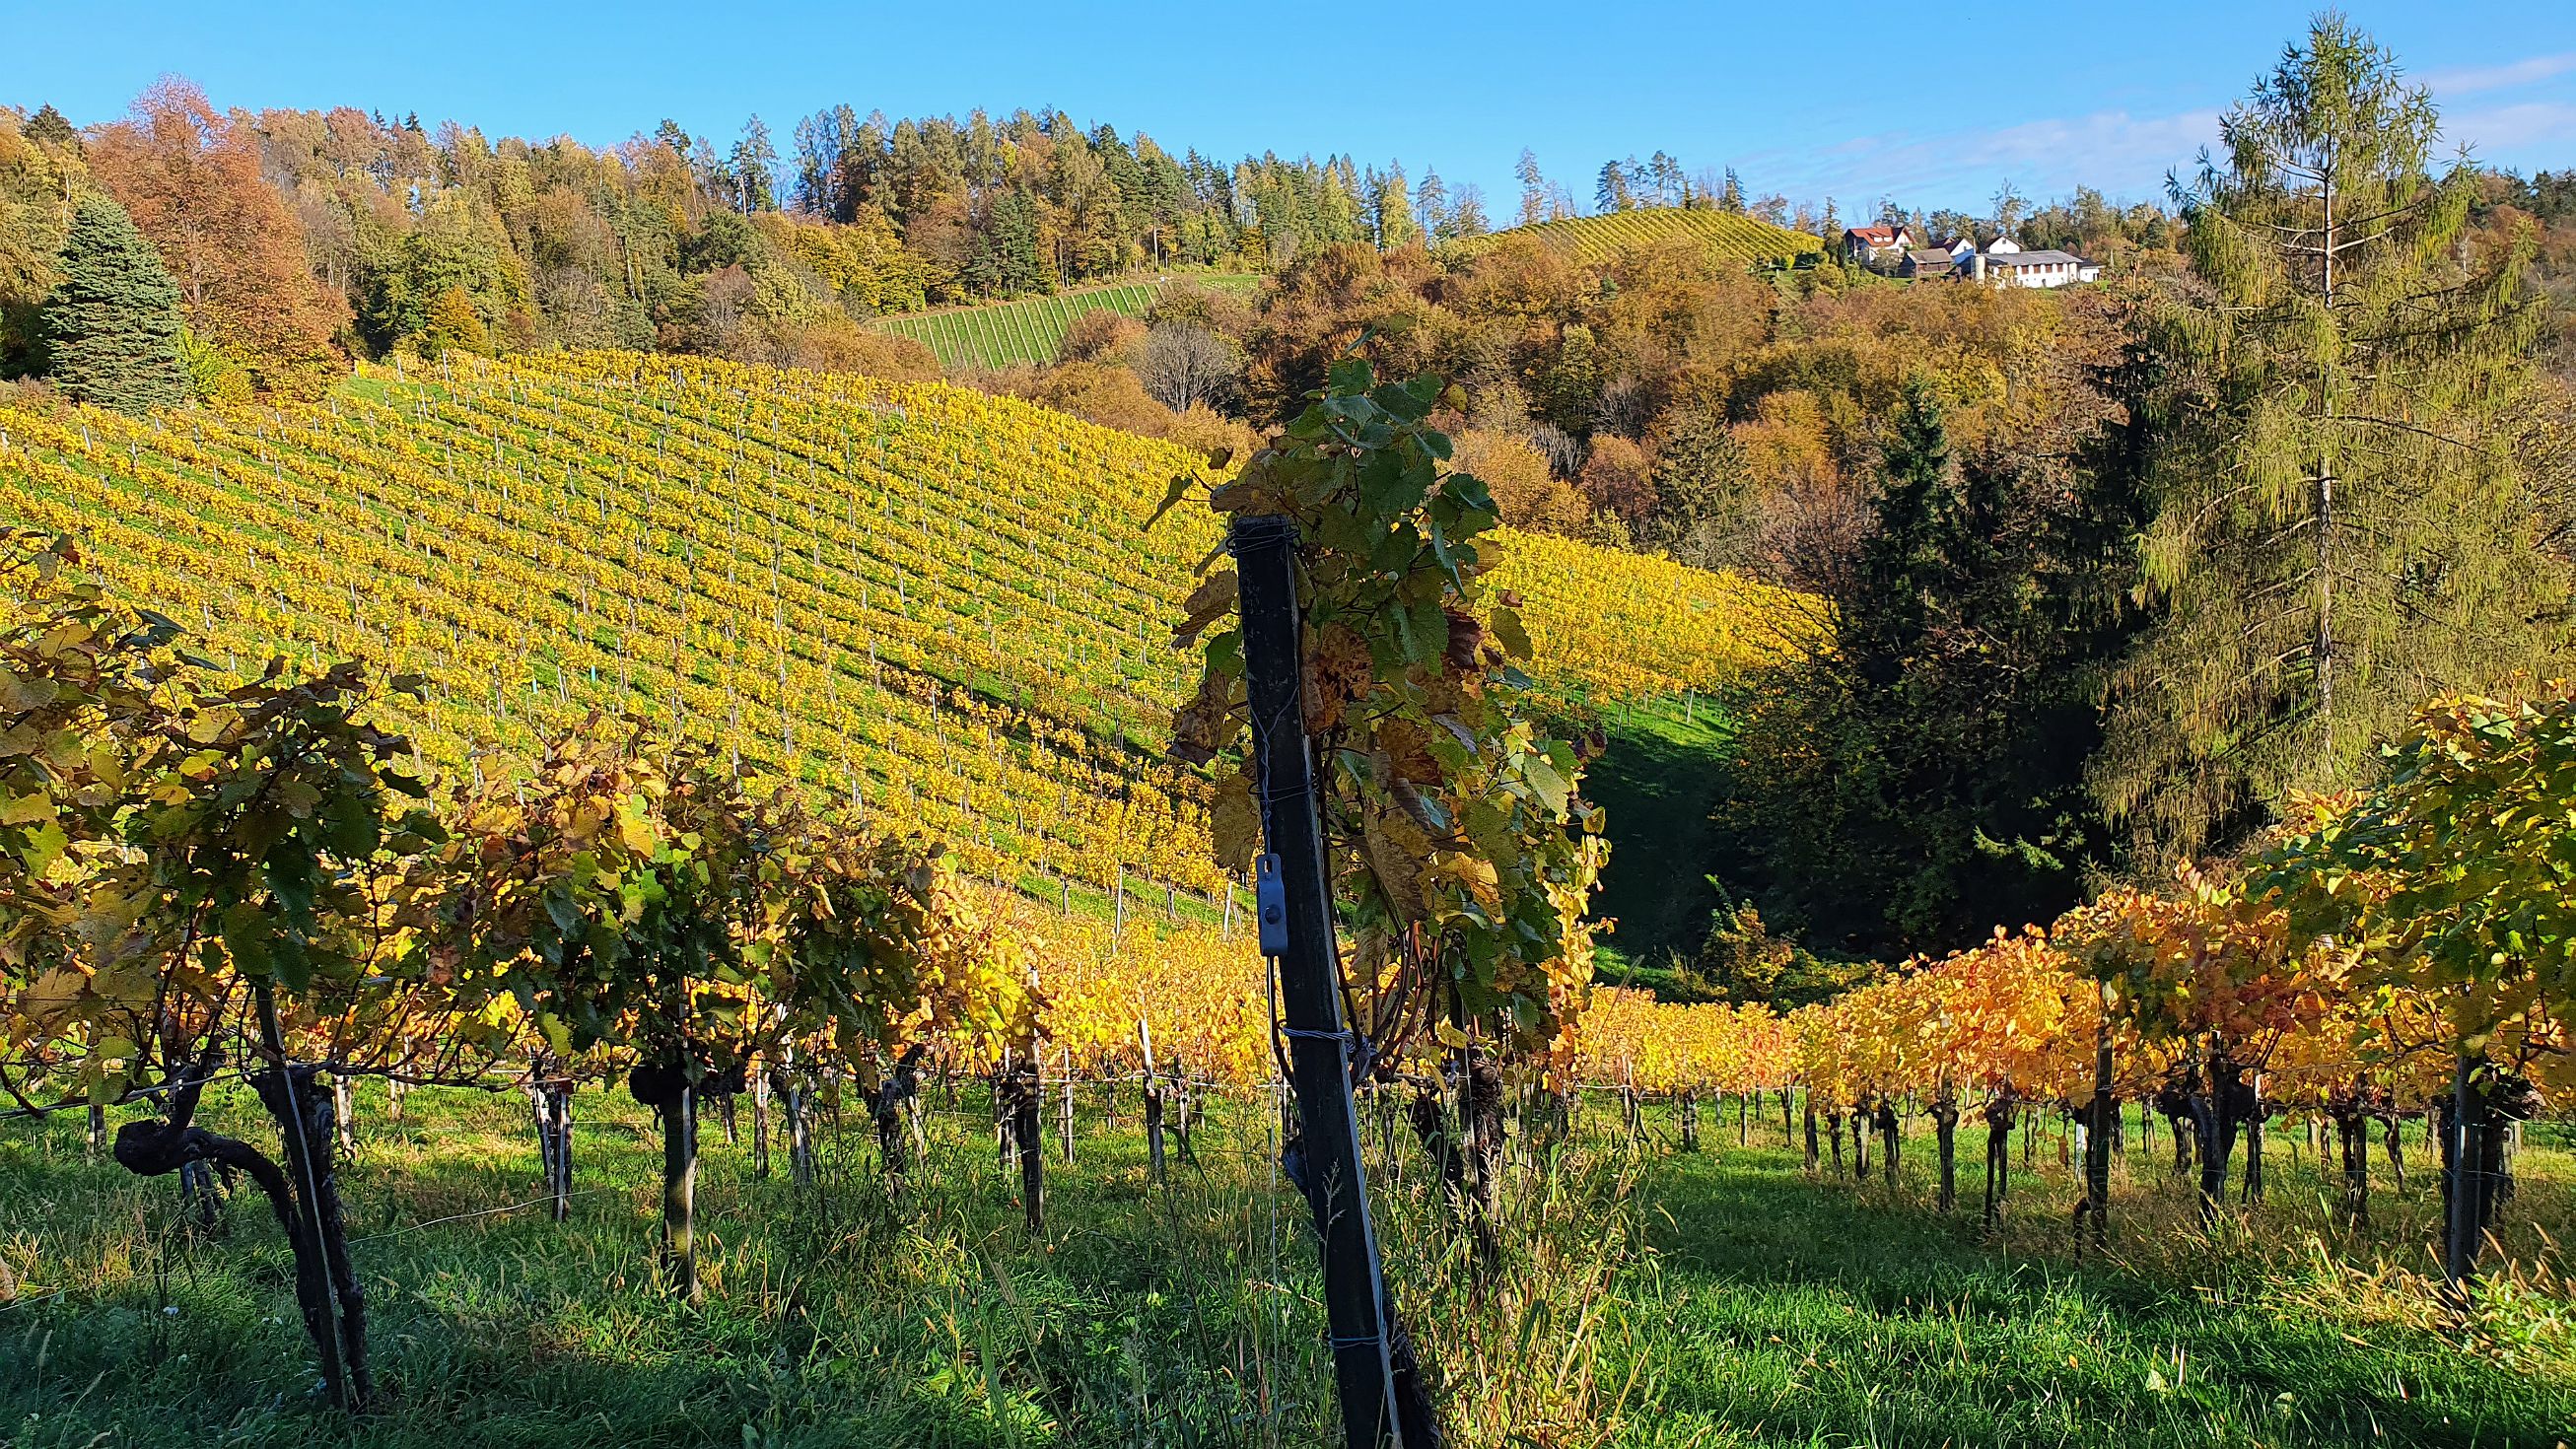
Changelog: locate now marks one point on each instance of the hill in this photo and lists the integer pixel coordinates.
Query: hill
(925, 599)
(1597, 239)
(1030, 329)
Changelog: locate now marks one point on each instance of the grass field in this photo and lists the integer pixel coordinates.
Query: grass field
(1648, 1298)
(1000, 334)
(1594, 240)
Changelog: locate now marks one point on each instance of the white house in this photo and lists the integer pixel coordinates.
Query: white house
(2004, 264)
(1863, 245)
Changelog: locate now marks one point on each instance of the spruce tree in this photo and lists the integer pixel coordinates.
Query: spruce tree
(2342, 529)
(112, 323)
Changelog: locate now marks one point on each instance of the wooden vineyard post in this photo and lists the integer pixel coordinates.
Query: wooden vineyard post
(2102, 1116)
(1296, 917)
(1153, 1102)
(759, 1085)
(1068, 1104)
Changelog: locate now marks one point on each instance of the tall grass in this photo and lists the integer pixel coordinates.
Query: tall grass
(1641, 1298)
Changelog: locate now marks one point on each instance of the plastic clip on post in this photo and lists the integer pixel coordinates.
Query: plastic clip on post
(1270, 900)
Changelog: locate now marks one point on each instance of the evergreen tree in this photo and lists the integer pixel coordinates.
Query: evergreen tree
(1534, 195)
(113, 321)
(1611, 192)
(2344, 530)
(1924, 778)
(1730, 196)
(1466, 215)
(49, 126)
(755, 169)
(1431, 208)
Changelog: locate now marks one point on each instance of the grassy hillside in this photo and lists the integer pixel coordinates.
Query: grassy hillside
(925, 599)
(1597, 239)
(1030, 329)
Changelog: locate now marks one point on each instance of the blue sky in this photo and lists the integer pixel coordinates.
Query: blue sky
(1854, 102)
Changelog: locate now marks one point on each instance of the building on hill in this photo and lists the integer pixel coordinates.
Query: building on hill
(1883, 245)
(1925, 263)
(2005, 264)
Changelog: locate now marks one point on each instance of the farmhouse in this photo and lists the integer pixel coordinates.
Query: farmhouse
(2007, 265)
(1863, 245)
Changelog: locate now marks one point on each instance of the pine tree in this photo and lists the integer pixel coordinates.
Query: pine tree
(755, 168)
(113, 320)
(2343, 528)
(1534, 197)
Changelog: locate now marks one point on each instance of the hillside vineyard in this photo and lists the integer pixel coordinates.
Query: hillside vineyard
(1598, 240)
(919, 599)
(1031, 330)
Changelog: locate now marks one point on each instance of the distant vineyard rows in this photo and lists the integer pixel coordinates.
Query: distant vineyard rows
(1031, 329)
(1597, 239)
(812, 574)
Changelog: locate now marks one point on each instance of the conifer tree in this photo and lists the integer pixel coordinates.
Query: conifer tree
(113, 320)
(2343, 530)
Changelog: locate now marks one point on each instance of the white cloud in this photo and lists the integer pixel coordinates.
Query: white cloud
(2470, 80)
(2500, 129)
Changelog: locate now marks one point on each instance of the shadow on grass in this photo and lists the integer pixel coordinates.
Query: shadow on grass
(1826, 1313)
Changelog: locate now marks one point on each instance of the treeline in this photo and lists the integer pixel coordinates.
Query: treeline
(301, 238)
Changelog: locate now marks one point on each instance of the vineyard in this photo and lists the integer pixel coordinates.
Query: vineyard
(719, 751)
(931, 604)
(1595, 240)
(1030, 330)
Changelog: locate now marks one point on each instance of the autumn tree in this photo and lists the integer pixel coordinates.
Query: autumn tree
(191, 179)
(2343, 530)
(40, 181)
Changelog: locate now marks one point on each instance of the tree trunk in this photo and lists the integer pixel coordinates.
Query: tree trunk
(1945, 1129)
(1999, 1126)
(760, 1123)
(1744, 1118)
(1028, 1134)
(334, 1321)
(1887, 1127)
(797, 1106)
(2469, 1130)
(1154, 1128)
(2101, 1136)
(1690, 1120)
(333, 1303)
(680, 1193)
(201, 1201)
(2396, 1153)
(2352, 1139)
(889, 1108)
(97, 1129)
(1811, 1136)
(1834, 1131)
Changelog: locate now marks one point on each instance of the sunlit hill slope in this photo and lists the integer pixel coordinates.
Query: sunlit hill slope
(934, 603)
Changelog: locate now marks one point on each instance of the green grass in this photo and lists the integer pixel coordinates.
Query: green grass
(1658, 780)
(1030, 329)
(1648, 1298)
